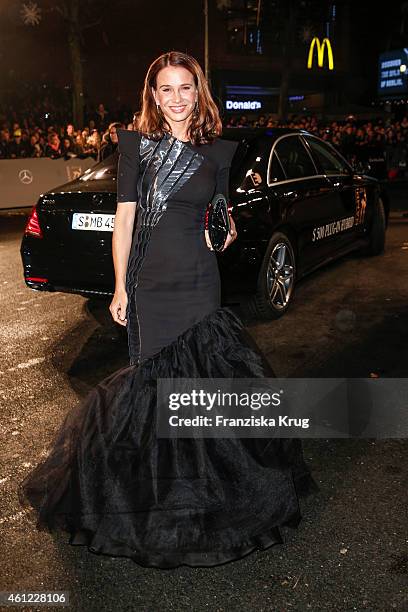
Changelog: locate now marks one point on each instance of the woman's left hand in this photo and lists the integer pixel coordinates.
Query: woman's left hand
(232, 235)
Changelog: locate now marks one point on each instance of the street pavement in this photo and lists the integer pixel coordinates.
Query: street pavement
(350, 551)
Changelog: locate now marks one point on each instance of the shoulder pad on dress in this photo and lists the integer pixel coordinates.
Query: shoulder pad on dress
(128, 140)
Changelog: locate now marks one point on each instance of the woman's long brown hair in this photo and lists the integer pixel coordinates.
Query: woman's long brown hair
(205, 123)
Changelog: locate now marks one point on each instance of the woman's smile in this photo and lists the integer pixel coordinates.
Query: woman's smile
(177, 109)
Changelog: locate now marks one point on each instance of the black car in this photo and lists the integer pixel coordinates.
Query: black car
(297, 204)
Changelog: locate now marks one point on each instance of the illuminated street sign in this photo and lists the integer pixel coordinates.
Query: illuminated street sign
(243, 104)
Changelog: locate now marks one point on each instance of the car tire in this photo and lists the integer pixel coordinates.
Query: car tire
(276, 280)
(377, 233)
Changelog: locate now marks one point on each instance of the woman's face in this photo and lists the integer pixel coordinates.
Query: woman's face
(113, 135)
(176, 93)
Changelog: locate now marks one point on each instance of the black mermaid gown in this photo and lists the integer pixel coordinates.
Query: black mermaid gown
(107, 480)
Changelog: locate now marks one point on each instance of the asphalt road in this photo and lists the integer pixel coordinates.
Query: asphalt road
(351, 549)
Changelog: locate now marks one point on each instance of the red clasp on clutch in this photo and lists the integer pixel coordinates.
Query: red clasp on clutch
(206, 218)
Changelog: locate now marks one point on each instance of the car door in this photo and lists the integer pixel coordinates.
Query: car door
(345, 191)
(307, 197)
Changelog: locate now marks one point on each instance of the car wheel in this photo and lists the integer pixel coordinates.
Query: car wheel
(377, 233)
(276, 279)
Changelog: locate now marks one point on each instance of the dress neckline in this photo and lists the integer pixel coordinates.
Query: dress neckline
(182, 141)
(177, 139)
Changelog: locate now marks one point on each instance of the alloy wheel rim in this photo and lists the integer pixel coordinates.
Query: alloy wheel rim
(280, 276)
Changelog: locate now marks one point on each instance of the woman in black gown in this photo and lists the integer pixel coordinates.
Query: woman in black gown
(108, 480)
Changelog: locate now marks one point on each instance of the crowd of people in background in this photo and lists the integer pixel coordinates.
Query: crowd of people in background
(38, 136)
(30, 138)
(35, 125)
(343, 134)
(356, 139)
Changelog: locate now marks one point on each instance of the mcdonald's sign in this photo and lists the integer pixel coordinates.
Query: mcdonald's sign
(320, 53)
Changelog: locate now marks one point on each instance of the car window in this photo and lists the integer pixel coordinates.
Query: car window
(275, 172)
(294, 158)
(330, 162)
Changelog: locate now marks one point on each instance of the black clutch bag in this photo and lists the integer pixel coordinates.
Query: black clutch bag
(217, 221)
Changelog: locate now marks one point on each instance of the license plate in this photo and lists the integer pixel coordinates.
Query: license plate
(98, 222)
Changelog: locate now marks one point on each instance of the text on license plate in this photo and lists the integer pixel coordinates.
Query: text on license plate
(93, 221)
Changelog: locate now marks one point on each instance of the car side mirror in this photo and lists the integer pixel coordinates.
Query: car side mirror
(361, 167)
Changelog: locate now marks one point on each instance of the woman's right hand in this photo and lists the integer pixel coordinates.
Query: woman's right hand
(118, 306)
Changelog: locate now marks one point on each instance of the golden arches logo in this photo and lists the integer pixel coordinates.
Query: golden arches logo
(320, 53)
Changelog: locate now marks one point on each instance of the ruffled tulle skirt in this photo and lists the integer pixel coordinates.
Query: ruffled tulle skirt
(119, 490)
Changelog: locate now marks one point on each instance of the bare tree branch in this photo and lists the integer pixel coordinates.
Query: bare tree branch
(79, 16)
